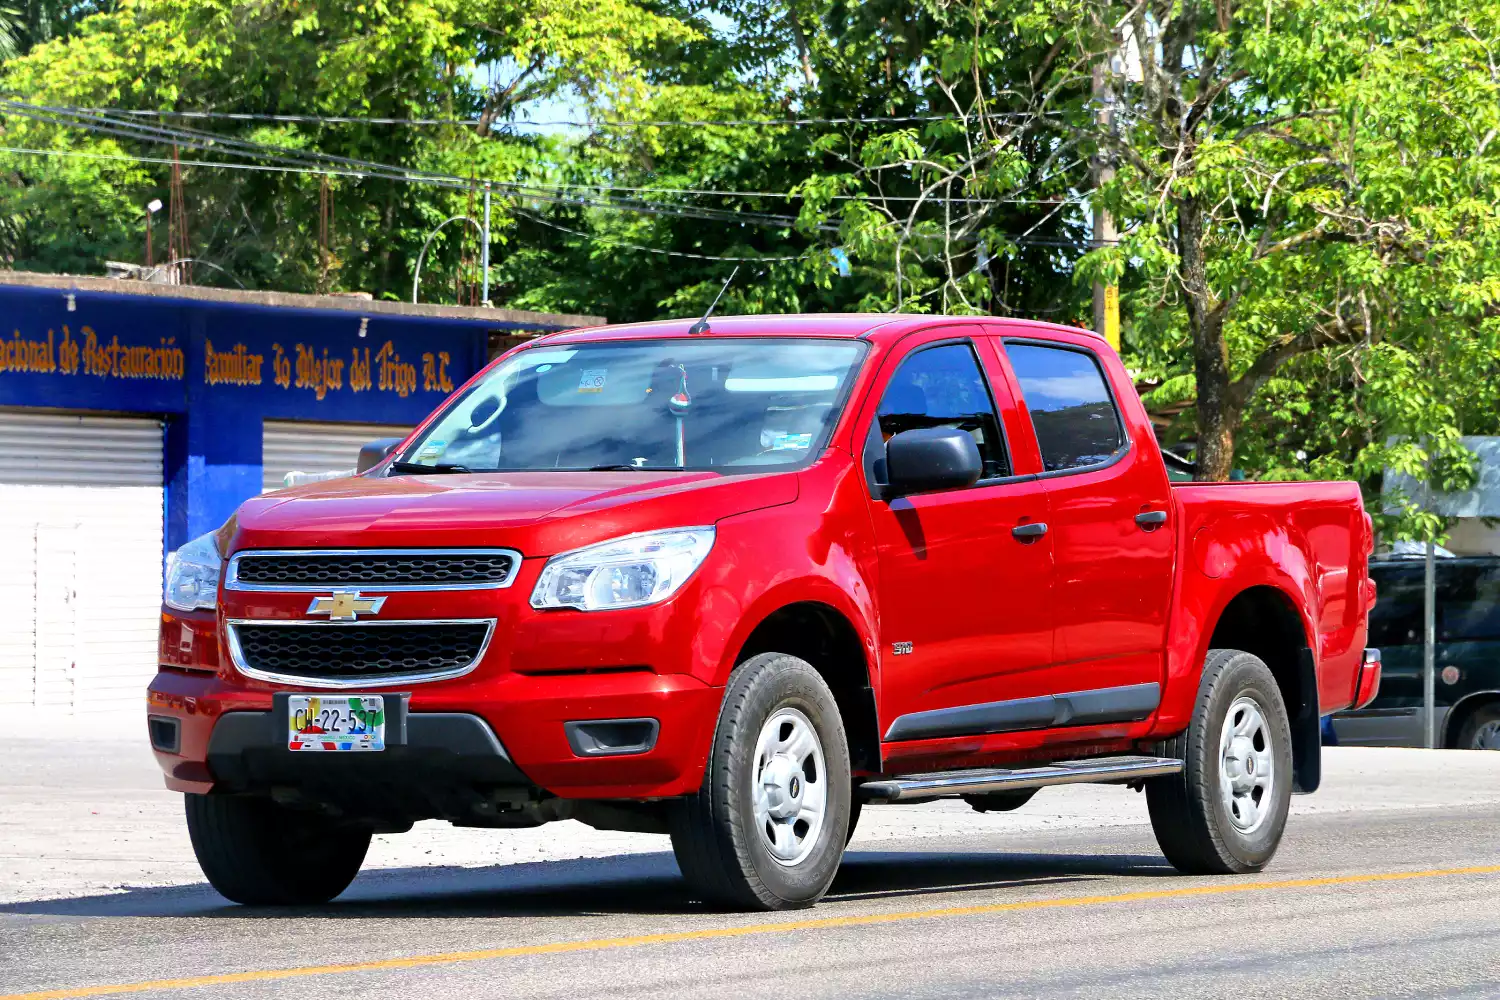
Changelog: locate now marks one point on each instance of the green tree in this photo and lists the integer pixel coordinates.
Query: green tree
(401, 59)
(1308, 176)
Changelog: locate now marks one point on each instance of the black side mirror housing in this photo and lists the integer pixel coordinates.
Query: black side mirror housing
(483, 411)
(931, 458)
(375, 452)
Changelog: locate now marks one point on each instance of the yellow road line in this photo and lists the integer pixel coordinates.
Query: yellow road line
(638, 941)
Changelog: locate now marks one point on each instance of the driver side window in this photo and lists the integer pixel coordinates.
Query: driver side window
(939, 387)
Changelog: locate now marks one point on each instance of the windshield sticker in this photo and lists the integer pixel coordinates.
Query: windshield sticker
(432, 449)
(592, 380)
(791, 442)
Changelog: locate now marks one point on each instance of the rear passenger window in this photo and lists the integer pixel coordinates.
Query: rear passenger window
(1468, 602)
(943, 387)
(1075, 419)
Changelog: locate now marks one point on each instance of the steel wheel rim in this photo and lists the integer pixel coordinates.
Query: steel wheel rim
(1247, 766)
(791, 787)
(1487, 736)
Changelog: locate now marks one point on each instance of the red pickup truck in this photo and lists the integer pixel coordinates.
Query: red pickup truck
(735, 582)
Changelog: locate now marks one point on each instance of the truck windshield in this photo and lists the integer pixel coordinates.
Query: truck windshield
(724, 404)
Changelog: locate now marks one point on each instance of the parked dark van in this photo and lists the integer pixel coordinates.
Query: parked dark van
(1468, 656)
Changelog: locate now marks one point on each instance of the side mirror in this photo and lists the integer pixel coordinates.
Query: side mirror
(931, 458)
(375, 452)
(483, 411)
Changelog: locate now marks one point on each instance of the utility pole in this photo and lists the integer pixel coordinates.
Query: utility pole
(1106, 297)
(484, 253)
(1429, 643)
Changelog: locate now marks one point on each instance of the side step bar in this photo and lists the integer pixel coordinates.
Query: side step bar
(943, 784)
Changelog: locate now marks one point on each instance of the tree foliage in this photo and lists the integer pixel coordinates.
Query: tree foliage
(1306, 190)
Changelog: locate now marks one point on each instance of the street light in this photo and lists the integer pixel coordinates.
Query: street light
(484, 235)
(152, 207)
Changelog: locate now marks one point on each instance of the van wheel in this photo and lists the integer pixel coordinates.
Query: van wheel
(1224, 813)
(767, 829)
(263, 854)
(1481, 730)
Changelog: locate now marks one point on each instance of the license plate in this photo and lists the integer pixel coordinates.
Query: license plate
(340, 722)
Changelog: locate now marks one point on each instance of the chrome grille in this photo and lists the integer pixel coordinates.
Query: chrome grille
(339, 655)
(384, 569)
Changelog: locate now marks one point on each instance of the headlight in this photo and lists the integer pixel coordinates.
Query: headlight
(625, 573)
(193, 575)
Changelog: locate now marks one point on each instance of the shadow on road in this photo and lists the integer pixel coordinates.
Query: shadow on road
(623, 884)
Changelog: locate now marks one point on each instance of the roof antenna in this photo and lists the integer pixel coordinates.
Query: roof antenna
(702, 325)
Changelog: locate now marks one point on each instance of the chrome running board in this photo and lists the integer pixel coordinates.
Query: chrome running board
(944, 784)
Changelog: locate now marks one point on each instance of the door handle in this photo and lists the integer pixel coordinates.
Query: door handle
(1029, 532)
(1151, 519)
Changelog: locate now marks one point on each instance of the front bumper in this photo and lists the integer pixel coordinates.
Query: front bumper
(229, 737)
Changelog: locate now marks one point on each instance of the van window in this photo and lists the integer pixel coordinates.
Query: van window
(1468, 603)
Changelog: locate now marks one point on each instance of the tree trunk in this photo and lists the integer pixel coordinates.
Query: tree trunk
(1218, 411)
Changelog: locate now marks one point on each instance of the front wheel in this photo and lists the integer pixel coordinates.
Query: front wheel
(259, 853)
(1224, 813)
(768, 826)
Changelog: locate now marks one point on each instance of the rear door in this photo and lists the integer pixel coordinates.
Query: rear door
(1108, 501)
(965, 614)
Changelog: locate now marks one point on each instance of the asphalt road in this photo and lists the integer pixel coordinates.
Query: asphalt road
(1386, 885)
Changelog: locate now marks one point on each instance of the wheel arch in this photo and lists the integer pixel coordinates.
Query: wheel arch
(826, 638)
(1264, 619)
(1460, 711)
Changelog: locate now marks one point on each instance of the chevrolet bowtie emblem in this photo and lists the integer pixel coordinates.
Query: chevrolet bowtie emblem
(345, 606)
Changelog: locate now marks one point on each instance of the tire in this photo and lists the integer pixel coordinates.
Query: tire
(1481, 730)
(1210, 819)
(258, 853)
(753, 792)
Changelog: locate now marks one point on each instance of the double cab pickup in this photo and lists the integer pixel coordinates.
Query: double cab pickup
(737, 581)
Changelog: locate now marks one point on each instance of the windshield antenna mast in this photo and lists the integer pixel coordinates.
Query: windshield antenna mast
(702, 325)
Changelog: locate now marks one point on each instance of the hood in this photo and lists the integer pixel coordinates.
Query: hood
(538, 513)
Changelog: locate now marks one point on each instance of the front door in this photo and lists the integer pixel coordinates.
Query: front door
(966, 615)
(1109, 508)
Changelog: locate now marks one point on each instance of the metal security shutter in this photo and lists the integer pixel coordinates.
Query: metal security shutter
(297, 446)
(80, 559)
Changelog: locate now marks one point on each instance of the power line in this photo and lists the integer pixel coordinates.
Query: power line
(657, 250)
(300, 161)
(792, 195)
(202, 141)
(527, 123)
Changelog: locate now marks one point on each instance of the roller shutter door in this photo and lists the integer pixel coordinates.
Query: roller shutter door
(316, 448)
(80, 560)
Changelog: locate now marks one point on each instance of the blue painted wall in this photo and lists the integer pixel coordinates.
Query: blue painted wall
(216, 370)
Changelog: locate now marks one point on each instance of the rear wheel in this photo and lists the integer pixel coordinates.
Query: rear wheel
(768, 826)
(263, 854)
(1224, 813)
(1481, 730)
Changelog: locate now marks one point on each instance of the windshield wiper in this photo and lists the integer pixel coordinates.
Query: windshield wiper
(418, 469)
(635, 468)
